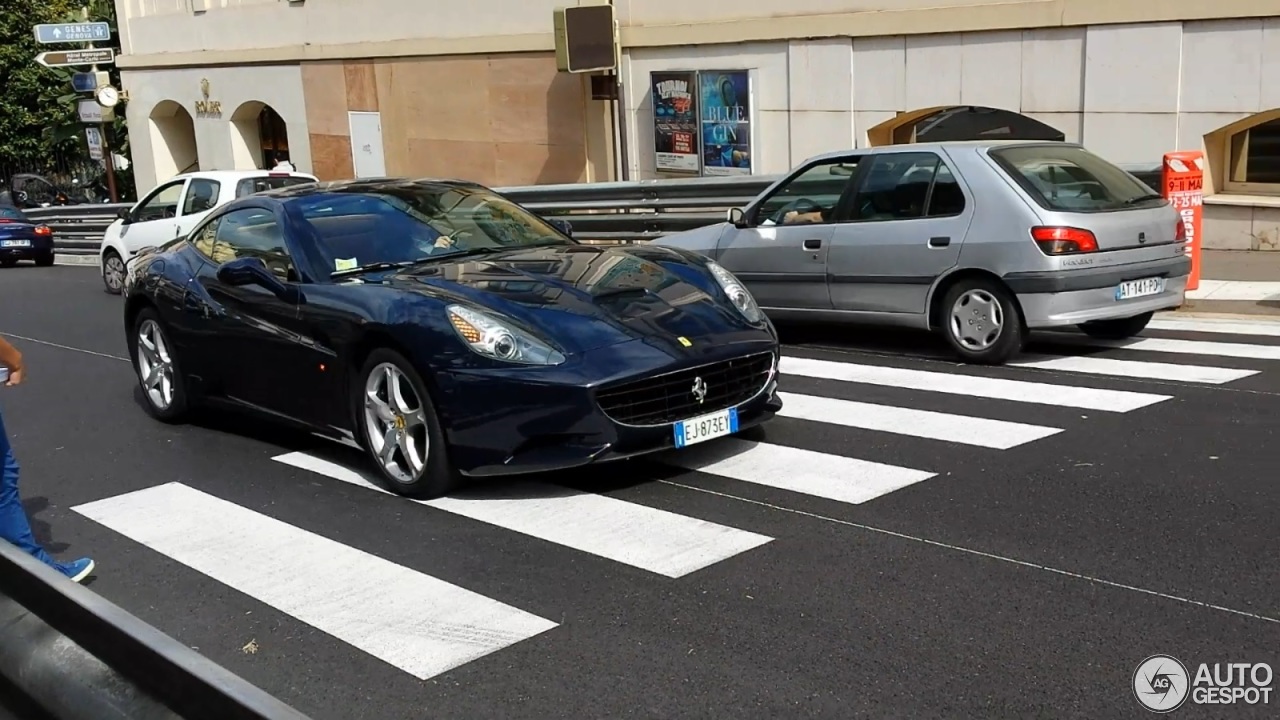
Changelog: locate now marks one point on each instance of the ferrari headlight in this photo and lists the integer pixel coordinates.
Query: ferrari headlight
(737, 293)
(492, 338)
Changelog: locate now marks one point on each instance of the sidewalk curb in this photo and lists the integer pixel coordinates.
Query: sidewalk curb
(81, 260)
(1208, 315)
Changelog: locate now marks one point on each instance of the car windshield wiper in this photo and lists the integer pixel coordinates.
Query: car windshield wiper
(1143, 198)
(461, 254)
(371, 267)
(488, 250)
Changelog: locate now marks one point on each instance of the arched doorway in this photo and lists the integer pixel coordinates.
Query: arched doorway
(173, 140)
(961, 122)
(261, 137)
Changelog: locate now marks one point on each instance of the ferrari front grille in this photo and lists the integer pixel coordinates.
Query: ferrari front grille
(684, 394)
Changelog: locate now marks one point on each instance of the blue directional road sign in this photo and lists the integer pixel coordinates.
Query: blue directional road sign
(55, 33)
(84, 82)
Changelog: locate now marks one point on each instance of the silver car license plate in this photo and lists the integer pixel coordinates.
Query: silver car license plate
(1139, 288)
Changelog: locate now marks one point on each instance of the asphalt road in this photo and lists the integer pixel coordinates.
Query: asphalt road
(1015, 551)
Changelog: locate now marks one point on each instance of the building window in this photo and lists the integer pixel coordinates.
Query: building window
(1254, 162)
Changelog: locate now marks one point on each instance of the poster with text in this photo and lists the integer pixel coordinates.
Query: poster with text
(725, 97)
(675, 121)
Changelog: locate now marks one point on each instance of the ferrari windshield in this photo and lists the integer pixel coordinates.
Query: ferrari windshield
(409, 222)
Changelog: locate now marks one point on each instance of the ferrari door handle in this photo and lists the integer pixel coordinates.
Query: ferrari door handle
(812, 245)
(939, 241)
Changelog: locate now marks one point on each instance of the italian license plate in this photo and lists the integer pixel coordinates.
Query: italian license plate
(1139, 288)
(706, 427)
(15, 243)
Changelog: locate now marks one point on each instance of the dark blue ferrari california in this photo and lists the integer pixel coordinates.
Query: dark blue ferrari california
(446, 330)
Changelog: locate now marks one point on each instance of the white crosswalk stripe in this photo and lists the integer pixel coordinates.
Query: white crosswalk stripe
(413, 621)
(1133, 368)
(962, 429)
(972, 385)
(426, 626)
(1217, 325)
(834, 477)
(655, 540)
(1246, 351)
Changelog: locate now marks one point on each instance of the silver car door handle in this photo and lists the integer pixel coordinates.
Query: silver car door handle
(812, 245)
(939, 242)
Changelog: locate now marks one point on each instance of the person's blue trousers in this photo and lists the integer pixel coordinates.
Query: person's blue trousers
(14, 525)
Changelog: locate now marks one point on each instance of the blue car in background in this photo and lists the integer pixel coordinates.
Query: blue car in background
(21, 239)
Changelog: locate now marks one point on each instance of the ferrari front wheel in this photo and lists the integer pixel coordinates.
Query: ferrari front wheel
(399, 428)
(155, 361)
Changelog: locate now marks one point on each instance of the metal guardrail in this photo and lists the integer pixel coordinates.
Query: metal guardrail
(604, 213)
(78, 656)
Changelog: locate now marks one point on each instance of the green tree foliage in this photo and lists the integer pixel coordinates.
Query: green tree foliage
(25, 86)
(69, 130)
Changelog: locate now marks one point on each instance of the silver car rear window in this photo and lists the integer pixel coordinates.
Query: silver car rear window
(1065, 178)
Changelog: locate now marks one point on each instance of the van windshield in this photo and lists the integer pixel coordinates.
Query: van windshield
(1071, 179)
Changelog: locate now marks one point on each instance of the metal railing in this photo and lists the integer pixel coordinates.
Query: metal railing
(78, 656)
(604, 213)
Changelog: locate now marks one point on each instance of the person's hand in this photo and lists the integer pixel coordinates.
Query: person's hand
(15, 376)
(444, 242)
(795, 217)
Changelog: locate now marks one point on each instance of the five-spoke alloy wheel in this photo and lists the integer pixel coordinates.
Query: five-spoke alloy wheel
(399, 428)
(163, 389)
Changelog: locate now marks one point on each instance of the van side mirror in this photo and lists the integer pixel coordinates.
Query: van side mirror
(125, 215)
(737, 217)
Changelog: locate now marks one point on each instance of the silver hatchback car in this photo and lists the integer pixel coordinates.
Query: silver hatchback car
(982, 241)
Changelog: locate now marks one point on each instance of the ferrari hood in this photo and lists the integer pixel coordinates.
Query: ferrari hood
(584, 297)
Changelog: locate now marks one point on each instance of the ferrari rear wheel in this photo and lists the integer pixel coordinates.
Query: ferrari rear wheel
(400, 430)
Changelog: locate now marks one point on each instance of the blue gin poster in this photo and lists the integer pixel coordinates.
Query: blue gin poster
(725, 100)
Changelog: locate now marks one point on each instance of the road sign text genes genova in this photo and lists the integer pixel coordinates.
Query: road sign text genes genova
(83, 32)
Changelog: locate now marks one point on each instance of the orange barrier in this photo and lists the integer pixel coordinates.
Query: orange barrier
(1182, 183)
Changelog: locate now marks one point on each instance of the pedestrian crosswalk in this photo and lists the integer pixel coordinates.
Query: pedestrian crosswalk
(408, 619)
(661, 542)
(425, 626)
